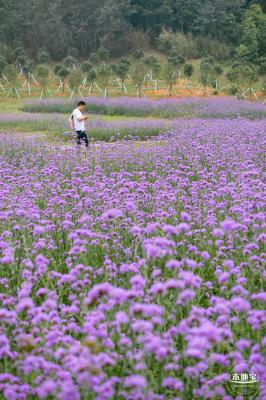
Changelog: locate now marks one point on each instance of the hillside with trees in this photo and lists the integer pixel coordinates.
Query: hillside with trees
(79, 28)
(114, 39)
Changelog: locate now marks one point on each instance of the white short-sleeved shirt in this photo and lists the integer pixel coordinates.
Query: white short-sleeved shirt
(78, 125)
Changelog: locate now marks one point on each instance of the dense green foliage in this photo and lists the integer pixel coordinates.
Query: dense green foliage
(78, 29)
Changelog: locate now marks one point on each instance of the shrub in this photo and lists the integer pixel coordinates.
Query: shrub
(220, 51)
(184, 45)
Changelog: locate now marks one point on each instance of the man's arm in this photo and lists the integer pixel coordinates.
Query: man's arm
(80, 116)
(83, 118)
(71, 122)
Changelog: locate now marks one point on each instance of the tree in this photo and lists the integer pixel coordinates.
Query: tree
(188, 71)
(171, 76)
(176, 61)
(79, 28)
(151, 16)
(216, 20)
(165, 41)
(217, 71)
(21, 60)
(94, 58)
(62, 72)
(74, 82)
(252, 76)
(103, 75)
(234, 76)
(208, 59)
(156, 69)
(18, 51)
(43, 57)
(122, 71)
(86, 66)
(90, 78)
(241, 75)
(138, 75)
(262, 65)
(150, 62)
(206, 71)
(57, 67)
(27, 71)
(116, 32)
(103, 54)
(11, 74)
(70, 62)
(43, 76)
(3, 64)
(253, 35)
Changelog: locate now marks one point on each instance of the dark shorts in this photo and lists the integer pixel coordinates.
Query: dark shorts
(81, 135)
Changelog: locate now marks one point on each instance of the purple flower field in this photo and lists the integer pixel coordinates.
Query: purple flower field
(217, 107)
(133, 271)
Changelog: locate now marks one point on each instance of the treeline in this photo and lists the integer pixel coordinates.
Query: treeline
(79, 28)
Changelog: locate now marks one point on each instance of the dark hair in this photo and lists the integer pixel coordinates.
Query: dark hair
(81, 103)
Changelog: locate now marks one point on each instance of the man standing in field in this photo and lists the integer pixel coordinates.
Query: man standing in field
(77, 122)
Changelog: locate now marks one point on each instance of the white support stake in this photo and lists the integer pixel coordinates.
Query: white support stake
(50, 93)
(254, 93)
(72, 94)
(125, 89)
(34, 80)
(167, 89)
(118, 81)
(68, 88)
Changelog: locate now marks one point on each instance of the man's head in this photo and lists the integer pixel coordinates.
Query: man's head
(81, 106)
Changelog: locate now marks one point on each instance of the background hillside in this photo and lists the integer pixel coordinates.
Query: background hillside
(63, 27)
(131, 43)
